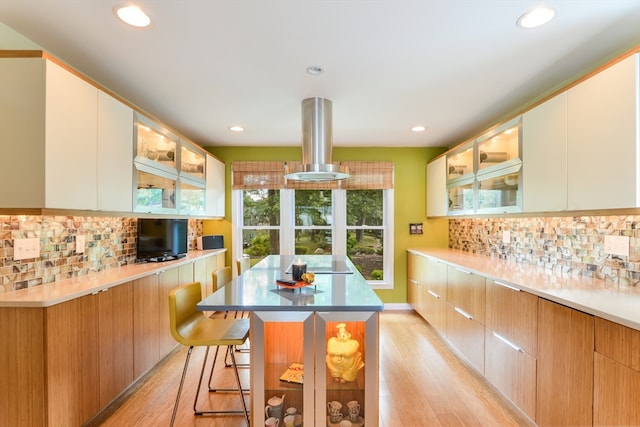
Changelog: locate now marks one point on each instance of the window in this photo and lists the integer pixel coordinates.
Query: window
(355, 221)
(261, 223)
(313, 221)
(365, 232)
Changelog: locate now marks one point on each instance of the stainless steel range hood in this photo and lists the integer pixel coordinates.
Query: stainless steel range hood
(317, 145)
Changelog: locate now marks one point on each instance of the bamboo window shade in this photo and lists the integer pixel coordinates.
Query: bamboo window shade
(254, 175)
(257, 175)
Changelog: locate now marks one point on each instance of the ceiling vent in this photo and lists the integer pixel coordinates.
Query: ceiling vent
(317, 144)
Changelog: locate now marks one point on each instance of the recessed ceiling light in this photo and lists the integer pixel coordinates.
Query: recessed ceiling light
(314, 70)
(536, 17)
(418, 128)
(132, 15)
(236, 128)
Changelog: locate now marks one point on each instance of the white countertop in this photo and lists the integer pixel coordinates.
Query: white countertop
(64, 290)
(618, 303)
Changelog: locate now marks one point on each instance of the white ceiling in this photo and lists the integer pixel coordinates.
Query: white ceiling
(456, 66)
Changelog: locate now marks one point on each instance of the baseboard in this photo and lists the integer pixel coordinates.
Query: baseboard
(397, 306)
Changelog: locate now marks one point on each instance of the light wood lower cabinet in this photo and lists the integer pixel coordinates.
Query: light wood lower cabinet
(616, 375)
(61, 365)
(71, 356)
(115, 341)
(434, 291)
(427, 289)
(89, 354)
(22, 367)
(467, 335)
(512, 371)
(167, 280)
(565, 366)
(466, 291)
(466, 314)
(416, 272)
(511, 343)
(146, 324)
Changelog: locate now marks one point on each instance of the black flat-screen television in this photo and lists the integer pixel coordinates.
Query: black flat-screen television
(161, 239)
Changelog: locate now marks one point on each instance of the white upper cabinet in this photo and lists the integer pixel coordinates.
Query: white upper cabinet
(22, 118)
(544, 175)
(115, 155)
(215, 192)
(65, 140)
(436, 187)
(603, 138)
(48, 122)
(71, 106)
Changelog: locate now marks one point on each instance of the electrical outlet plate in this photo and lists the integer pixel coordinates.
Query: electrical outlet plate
(26, 248)
(616, 245)
(506, 237)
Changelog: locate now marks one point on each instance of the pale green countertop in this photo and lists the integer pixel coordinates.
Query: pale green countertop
(338, 286)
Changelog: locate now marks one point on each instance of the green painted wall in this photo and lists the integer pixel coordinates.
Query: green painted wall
(410, 199)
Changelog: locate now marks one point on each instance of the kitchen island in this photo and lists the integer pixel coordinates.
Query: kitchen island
(291, 327)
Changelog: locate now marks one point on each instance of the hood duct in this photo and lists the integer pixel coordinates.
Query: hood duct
(317, 145)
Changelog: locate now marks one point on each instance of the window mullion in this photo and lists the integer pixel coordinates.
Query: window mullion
(287, 222)
(339, 222)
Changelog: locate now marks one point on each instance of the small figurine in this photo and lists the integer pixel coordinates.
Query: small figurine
(343, 358)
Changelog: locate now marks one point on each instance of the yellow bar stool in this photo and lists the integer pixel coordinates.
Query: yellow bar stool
(192, 328)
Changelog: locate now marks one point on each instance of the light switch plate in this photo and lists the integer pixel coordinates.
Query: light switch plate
(616, 245)
(80, 242)
(26, 248)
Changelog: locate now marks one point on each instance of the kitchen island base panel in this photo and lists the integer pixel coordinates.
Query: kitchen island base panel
(281, 338)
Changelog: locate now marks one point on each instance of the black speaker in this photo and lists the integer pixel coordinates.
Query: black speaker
(210, 242)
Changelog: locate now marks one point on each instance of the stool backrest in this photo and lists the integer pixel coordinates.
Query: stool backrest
(221, 277)
(182, 307)
(244, 263)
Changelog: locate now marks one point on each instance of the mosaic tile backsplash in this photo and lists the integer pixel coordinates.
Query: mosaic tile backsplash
(110, 243)
(565, 245)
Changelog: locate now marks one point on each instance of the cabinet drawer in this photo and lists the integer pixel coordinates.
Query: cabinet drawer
(512, 371)
(616, 393)
(435, 310)
(466, 291)
(436, 277)
(467, 335)
(513, 314)
(564, 394)
(618, 342)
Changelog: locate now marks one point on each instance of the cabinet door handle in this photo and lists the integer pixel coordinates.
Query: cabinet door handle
(513, 288)
(433, 294)
(463, 313)
(462, 271)
(415, 282)
(509, 343)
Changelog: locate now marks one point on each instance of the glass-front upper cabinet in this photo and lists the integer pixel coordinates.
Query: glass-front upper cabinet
(192, 197)
(461, 197)
(460, 163)
(192, 161)
(499, 147)
(155, 146)
(154, 192)
(500, 191)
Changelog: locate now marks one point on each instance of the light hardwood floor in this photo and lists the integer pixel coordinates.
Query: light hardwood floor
(422, 383)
